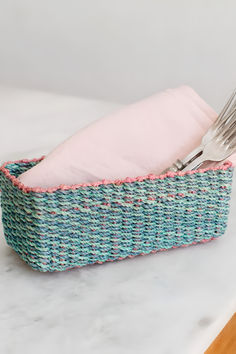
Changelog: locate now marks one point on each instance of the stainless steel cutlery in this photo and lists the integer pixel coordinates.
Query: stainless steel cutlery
(217, 144)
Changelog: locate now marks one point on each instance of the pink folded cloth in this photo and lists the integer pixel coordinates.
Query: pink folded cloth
(144, 137)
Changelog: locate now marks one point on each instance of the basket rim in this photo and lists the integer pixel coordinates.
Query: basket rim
(16, 182)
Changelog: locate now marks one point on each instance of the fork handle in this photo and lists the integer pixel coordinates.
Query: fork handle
(192, 154)
(195, 164)
(179, 165)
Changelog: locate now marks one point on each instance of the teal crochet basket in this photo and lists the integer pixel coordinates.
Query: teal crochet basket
(72, 226)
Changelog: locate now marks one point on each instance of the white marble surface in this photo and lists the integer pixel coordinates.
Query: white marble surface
(172, 302)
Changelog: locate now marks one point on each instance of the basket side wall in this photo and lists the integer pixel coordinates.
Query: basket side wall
(65, 229)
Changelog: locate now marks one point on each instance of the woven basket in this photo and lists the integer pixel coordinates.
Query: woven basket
(71, 226)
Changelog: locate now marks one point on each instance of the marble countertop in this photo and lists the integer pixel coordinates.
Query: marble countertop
(172, 302)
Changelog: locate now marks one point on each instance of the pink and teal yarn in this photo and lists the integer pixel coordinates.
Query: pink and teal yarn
(72, 226)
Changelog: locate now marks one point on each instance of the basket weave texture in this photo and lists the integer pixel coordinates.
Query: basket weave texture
(69, 226)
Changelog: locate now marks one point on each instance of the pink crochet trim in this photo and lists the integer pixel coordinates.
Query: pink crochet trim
(26, 189)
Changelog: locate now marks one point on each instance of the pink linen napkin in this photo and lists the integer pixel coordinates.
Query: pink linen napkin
(142, 138)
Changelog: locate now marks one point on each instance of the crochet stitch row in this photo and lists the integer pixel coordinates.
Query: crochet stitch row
(58, 229)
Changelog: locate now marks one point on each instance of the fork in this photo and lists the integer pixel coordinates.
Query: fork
(217, 149)
(217, 144)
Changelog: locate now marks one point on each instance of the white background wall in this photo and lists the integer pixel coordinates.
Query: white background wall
(119, 50)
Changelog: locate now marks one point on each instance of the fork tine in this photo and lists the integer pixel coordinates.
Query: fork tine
(232, 143)
(232, 136)
(226, 124)
(233, 107)
(226, 120)
(233, 102)
(229, 135)
(226, 107)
